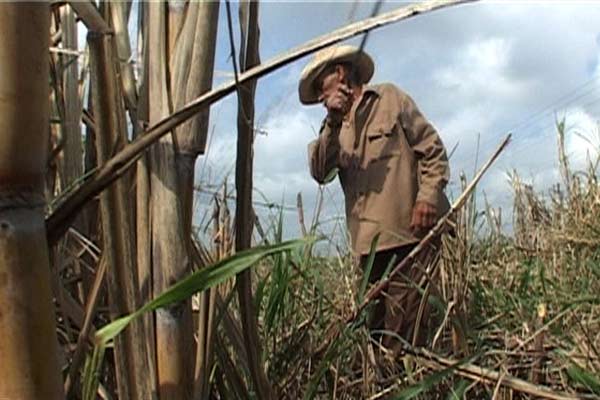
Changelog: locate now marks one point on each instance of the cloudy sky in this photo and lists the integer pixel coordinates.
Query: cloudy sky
(477, 71)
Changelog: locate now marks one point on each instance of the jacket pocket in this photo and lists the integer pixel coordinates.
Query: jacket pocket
(382, 142)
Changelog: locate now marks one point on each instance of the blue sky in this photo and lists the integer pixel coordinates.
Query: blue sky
(476, 71)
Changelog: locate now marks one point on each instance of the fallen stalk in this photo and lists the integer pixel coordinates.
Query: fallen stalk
(477, 373)
(57, 222)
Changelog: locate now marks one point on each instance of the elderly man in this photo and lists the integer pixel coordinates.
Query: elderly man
(392, 167)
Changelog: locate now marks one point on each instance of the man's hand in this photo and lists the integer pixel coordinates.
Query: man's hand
(337, 101)
(423, 216)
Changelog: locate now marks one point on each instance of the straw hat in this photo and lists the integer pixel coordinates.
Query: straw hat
(328, 56)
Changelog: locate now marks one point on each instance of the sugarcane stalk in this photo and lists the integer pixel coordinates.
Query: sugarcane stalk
(72, 160)
(180, 52)
(90, 16)
(173, 324)
(117, 222)
(30, 367)
(244, 215)
(142, 200)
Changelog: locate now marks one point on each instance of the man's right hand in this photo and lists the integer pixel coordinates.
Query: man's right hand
(337, 102)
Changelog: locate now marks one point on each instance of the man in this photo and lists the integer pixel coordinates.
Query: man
(392, 167)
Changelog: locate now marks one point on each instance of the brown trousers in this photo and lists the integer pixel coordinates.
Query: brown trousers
(403, 309)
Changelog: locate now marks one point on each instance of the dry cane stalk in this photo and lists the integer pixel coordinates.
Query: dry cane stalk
(538, 345)
(117, 223)
(83, 337)
(90, 16)
(143, 220)
(168, 241)
(182, 53)
(477, 373)
(71, 160)
(72, 165)
(244, 218)
(29, 366)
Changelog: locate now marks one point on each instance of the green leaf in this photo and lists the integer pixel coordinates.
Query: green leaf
(279, 283)
(459, 390)
(390, 266)
(430, 381)
(198, 281)
(584, 378)
(340, 343)
(367, 269)
(91, 374)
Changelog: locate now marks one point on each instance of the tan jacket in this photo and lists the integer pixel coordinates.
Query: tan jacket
(388, 156)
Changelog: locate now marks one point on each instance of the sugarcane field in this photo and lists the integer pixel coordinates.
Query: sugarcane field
(285, 199)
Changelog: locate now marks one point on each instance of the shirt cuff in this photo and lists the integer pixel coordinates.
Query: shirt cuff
(429, 194)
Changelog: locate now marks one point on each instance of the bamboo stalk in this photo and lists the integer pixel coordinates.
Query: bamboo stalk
(90, 16)
(143, 223)
(55, 134)
(187, 44)
(244, 217)
(206, 337)
(117, 221)
(83, 338)
(28, 344)
(72, 160)
(90, 212)
(58, 221)
(191, 66)
(169, 245)
(118, 19)
(57, 112)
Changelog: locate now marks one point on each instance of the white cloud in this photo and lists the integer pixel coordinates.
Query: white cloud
(464, 127)
(288, 134)
(582, 138)
(481, 67)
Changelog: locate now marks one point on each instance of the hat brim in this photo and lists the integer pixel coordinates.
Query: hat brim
(363, 62)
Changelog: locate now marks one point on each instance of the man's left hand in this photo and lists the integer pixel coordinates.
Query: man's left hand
(423, 217)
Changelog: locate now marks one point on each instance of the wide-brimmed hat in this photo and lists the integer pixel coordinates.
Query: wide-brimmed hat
(332, 55)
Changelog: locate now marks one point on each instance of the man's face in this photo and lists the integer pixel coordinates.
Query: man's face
(329, 80)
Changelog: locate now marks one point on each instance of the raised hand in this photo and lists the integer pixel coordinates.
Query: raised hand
(337, 100)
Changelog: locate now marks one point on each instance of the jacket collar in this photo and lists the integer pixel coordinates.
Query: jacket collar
(372, 89)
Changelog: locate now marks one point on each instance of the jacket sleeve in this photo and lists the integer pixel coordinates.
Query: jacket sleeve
(323, 153)
(430, 151)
